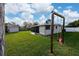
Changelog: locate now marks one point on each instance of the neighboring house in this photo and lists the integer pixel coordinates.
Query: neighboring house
(46, 29)
(12, 27)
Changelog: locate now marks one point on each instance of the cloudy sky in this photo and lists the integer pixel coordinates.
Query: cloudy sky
(40, 12)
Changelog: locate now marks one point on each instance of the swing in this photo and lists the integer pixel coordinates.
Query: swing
(60, 37)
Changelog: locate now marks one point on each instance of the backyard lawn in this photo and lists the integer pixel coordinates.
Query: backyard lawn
(26, 44)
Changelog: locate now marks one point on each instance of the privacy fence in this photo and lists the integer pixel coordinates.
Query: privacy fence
(72, 29)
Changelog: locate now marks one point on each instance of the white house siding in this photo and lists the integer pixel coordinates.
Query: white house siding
(42, 30)
(14, 29)
(47, 32)
(58, 29)
(72, 29)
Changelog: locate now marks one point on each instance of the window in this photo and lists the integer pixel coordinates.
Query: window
(47, 27)
(56, 27)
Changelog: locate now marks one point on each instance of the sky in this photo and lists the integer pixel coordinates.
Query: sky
(40, 12)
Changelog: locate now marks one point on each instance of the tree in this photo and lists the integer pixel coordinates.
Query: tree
(25, 24)
(13, 23)
(48, 21)
(35, 23)
(74, 24)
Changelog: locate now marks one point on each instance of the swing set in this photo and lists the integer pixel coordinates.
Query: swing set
(60, 35)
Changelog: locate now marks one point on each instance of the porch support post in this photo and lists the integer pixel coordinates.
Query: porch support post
(2, 29)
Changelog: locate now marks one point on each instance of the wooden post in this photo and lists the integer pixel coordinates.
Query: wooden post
(63, 29)
(52, 30)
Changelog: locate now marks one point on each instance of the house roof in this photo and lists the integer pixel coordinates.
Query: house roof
(47, 24)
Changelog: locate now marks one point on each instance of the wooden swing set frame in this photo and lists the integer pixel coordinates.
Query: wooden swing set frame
(52, 28)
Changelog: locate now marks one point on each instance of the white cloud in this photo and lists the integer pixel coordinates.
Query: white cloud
(57, 19)
(31, 19)
(17, 20)
(70, 15)
(11, 8)
(42, 20)
(29, 8)
(55, 10)
(7, 19)
(42, 7)
(27, 17)
(59, 7)
(15, 8)
(50, 14)
(26, 8)
(26, 11)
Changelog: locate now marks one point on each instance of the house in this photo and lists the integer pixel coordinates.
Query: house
(12, 27)
(45, 29)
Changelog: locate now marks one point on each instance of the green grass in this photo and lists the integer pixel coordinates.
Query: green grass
(26, 44)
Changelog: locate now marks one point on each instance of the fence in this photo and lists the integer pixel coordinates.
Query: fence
(72, 29)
